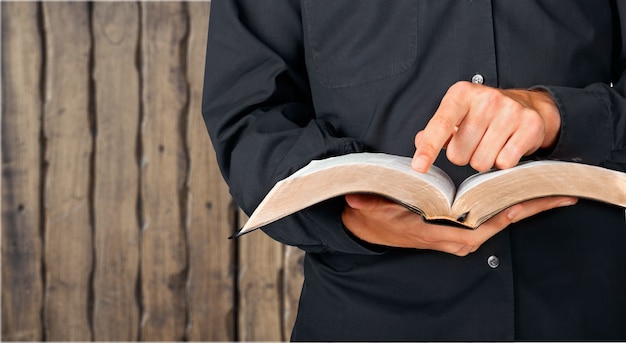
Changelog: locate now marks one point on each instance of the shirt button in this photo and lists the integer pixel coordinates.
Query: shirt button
(478, 79)
(493, 261)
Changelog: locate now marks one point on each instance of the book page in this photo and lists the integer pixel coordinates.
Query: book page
(479, 178)
(390, 176)
(435, 176)
(484, 195)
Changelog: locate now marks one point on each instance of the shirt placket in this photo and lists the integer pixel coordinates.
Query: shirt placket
(477, 63)
(475, 42)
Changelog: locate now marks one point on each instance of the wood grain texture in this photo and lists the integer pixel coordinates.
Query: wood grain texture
(292, 287)
(163, 172)
(116, 242)
(115, 216)
(22, 282)
(210, 220)
(68, 152)
(260, 287)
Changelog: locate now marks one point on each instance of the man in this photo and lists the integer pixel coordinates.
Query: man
(467, 85)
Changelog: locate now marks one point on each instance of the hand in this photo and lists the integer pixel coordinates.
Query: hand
(487, 127)
(377, 220)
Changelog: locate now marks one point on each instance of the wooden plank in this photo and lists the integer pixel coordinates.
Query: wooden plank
(163, 172)
(260, 287)
(22, 284)
(68, 229)
(116, 172)
(293, 279)
(210, 220)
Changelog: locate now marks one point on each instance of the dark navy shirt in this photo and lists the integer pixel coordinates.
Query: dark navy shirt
(287, 82)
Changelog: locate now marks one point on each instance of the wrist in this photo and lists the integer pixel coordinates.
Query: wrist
(540, 101)
(545, 105)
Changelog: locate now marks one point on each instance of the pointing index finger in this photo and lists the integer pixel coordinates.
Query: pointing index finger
(439, 129)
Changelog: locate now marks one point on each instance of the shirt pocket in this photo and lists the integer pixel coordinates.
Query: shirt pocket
(356, 42)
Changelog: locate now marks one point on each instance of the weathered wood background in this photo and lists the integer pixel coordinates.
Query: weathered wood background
(114, 215)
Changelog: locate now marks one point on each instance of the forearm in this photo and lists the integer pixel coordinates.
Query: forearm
(258, 111)
(593, 125)
(593, 117)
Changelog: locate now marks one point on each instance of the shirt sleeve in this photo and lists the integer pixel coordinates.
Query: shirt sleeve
(258, 111)
(593, 118)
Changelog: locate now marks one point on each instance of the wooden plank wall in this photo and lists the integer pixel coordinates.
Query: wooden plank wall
(114, 215)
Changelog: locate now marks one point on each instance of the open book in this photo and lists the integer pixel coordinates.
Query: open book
(433, 194)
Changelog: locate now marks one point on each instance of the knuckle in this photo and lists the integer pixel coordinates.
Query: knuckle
(418, 137)
(443, 122)
(505, 161)
(494, 96)
(470, 240)
(531, 118)
(455, 157)
(472, 127)
(491, 99)
(536, 127)
(429, 149)
(457, 249)
(480, 165)
(458, 93)
(510, 155)
(460, 87)
(462, 251)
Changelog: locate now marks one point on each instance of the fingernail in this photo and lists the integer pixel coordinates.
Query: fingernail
(420, 163)
(512, 212)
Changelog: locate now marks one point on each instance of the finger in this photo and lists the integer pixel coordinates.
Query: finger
(488, 149)
(362, 201)
(419, 135)
(434, 138)
(454, 248)
(474, 126)
(492, 120)
(535, 206)
(519, 212)
(461, 242)
(452, 239)
(525, 139)
(441, 126)
(466, 140)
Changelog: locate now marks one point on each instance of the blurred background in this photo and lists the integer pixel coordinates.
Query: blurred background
(114, 215)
